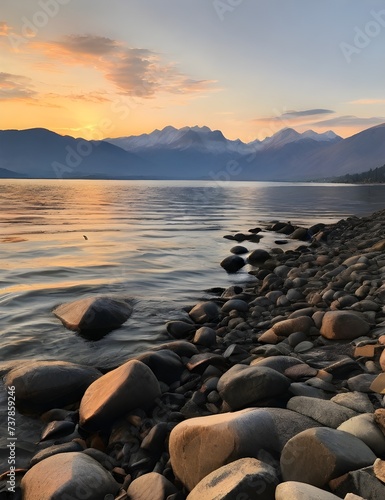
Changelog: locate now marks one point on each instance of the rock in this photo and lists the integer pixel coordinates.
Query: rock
(132, 385)
(180, 329)
(245, 478)
(315, 456)
(325, 412)
(232, 292)
(258, 256)
(43, 385)
(151, 486)
(242, 385)
(278, 363)
(232, 263)
(68, 475)
(359, 482)
(300, 372)
(55, 450)
(180, 347)
(294, 490)
(165, 364)
(379, 418)
(379, 469)
(357, 401)
(205, 336)
(97, 315)
(343, 325)
(205, 312)
(235, 304)
(378, 384)
(238, 250)
(362, 382)
(57, 429)
(364, 428)
(288, 326)
(303, 347)
(300, 234)
(199, 446)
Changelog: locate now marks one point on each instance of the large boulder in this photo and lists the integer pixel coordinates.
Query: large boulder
(242, 385)
(68, 475)
(343, 325)
(94, 316)
(43, 385)
(199, 446)
(132, 385)
(245, 478)
(364, 427)
(315, 456)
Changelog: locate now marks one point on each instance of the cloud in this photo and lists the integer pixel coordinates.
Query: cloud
(94, 97)
(4, 28)
(307, 112)
(15, 87)
(368, 101)
(350, 121)
(137, 72)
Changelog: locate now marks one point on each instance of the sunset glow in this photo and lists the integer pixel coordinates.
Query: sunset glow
(247, 68)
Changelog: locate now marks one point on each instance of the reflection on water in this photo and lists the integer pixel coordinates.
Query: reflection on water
(159, 242)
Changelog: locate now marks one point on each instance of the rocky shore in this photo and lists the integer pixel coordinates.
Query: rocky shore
(273, 390)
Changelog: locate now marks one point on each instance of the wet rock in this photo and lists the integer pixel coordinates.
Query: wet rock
(151, 486)
(238, 250)
(57, 429)
(205, 336)
(235, 304)
(180, 329)
(43, 385)
(315, 456)
(241, 386)
(205, 312)
(180, 347)
(166, 365)
(235, 435)
(97, 315)
(294, 490)
(300, 234)
(245, 478)
(68, 475)
(325, 412)
(232, 263)
(343, 325)
(258, 256)
(132, 385)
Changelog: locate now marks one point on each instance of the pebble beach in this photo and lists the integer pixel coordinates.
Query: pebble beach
(273, 389)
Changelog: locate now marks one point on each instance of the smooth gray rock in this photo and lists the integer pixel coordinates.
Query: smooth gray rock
(166, 365)
(205, 336)
(68, 475)
(364, 427)
(94, 314)
(315, 456)
(245, 478)
(242, 385)
(238, 305)
(43, 385)
(325, 412)
(232, 263)
(357, 401)
(180, 329)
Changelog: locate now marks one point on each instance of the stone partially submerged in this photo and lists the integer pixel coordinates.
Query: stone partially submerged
(94, 316)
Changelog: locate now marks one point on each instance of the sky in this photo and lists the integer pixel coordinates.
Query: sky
(98, 68)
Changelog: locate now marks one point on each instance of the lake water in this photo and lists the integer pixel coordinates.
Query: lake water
(156, 241)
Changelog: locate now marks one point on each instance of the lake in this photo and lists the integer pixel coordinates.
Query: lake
(159, 242)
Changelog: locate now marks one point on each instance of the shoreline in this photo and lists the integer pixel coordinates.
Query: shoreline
(273, 351)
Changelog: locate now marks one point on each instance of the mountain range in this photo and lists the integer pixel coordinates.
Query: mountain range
(190, 153)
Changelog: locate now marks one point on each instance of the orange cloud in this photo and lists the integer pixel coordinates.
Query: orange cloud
(4, 28)
(135, 72)
(15, 87)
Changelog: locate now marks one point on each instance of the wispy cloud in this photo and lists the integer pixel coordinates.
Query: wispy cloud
(350, 121)
(4, 28)
(15, 87)
(94, 97)
(307, 112)
(368, 101)
(137, 72)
